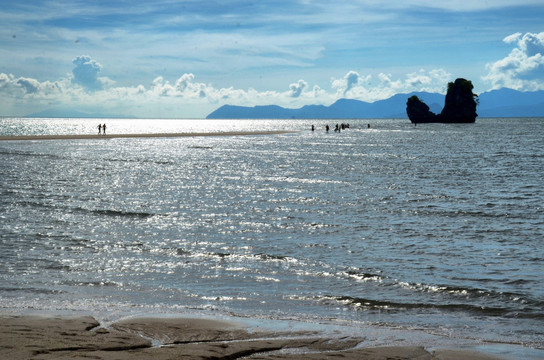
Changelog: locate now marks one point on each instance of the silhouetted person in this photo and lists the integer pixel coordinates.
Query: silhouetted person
(99, 129)
(327, 128)
(313, 128)
(104, 129)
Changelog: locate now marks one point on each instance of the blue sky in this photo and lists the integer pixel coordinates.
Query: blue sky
(183, 59)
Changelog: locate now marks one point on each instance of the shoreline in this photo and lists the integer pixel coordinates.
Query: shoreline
(71, 336)
(150, 135)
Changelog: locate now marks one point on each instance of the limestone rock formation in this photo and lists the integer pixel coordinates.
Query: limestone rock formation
(459, 107)
(419, 112)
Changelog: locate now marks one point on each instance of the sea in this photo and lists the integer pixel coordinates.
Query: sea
(384, 228)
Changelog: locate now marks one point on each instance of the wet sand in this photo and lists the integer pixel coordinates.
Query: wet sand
(56, 337)
(158, 135)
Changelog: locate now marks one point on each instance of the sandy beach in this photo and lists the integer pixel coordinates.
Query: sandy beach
(159, 135)
(61, 337)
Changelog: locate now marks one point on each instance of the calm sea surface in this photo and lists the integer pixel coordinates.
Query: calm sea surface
(436, 227)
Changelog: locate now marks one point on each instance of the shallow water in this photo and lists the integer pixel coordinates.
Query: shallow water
(436, 227)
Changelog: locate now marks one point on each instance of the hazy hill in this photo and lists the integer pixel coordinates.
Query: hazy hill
(496, 103)
(511, 103)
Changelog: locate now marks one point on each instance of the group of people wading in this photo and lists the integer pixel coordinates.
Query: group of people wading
(101, 129)
(337, 128)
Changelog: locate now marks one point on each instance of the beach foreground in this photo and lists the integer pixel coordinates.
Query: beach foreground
(35, 337)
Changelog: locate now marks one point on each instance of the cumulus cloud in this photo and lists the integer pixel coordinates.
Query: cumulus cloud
(85, 73)
(512, 38)
(9, 85)
(532, 44)
(297, 88)
(184, 82)
(23, 87)
(523, 68)
(381, 86)
(31, 86)
(184, 87)
(351, 79)
(427, 81)
(85, 90)
(345, 84)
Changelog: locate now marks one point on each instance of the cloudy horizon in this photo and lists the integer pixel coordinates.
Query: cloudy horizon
(184, 59)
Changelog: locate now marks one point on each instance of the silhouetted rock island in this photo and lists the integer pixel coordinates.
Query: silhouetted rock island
(459, 106)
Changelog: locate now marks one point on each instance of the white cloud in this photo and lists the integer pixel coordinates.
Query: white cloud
(184, 82)
(30, 86)
(532, 44)
(296, 89)
(382, 86)
(184, 87)
(348, 82)
(187, 97)
(523, 68)
(22, 87)
(85, 73)
(512, 38)
(352, 79)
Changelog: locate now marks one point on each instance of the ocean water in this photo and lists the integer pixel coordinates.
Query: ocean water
(438, 227)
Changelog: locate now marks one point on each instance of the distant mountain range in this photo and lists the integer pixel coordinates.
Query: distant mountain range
(497, 103)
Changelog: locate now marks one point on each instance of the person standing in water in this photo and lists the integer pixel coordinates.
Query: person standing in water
(99, 129)
(104, 129)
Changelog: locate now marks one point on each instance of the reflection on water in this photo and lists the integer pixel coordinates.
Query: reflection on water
(436, 226)
(31, 126)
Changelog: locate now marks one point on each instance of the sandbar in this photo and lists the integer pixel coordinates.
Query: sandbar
(150, 135)
(62, 337)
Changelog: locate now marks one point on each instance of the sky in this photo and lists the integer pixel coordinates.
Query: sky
(186, 58)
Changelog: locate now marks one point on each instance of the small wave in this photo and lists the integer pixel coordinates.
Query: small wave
(529, 310)
(221, 255)
(104, 212)
(183, 252)
(518, 282)
(315, 273)
(224, 298)
(31, 290)
(380, 305)
(272, 257)
(57, 266)
(445, 289)
(322, 225)
(143, 161)
(362, 276)
(266, 278)
(200, 147)
(472, 293)
(314, 245)
(428, 211)
(119, 213)
(241, 257)
(29, 154)
(92, 283)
